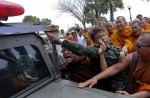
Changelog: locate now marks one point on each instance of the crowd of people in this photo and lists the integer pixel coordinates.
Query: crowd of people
(111, 56)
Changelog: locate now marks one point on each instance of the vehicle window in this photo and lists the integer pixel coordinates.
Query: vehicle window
(21, 68)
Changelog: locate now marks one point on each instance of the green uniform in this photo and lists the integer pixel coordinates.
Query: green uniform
(118, 81)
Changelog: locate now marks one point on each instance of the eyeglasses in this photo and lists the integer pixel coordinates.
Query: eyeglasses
(140, 45)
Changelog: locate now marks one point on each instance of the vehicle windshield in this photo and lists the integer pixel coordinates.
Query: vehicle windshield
(21, 68)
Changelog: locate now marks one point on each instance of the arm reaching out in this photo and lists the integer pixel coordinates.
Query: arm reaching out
(141, 94)
(108, 72)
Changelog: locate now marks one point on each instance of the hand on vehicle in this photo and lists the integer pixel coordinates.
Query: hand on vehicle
(90, 83)
(53, 28)
(50, 35)
(122, 92)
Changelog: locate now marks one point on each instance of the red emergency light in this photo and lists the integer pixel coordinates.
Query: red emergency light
(10, 9)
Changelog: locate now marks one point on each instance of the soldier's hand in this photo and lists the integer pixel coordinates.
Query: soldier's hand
(53, 28)
(102, 47)
(51, 35)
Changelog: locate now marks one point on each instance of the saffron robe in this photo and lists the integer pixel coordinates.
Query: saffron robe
(123, 38)
(146, 28)
(142, 78)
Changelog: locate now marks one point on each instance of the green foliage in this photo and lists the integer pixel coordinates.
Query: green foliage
(98, 7)
(71, 29)
(31, 18)
(46, 20)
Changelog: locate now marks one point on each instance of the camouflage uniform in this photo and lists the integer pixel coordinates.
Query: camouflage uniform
(118, 81)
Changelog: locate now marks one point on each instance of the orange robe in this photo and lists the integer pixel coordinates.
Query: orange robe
(142, 78)
(124, 38)
(134, 42)
(146, 28)
(107, 33)
(88, 39)
(68, 37)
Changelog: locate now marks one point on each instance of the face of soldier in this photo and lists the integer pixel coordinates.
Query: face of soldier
(68, 55)
(101, 36)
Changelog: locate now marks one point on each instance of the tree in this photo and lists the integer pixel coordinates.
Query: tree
(46, 20)
(111, 6)
(75, 8)
(87, 11)
(71, 29)
(31, 18)
(94, 9)
(145, 0)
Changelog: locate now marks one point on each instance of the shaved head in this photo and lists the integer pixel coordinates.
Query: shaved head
(146, 37)
(122, 18)
(137, 22)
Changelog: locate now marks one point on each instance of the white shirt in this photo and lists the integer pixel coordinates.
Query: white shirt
(81, 40)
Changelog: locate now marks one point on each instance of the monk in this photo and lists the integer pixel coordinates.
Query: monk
(145, 25)
(139, 16)
(148, 20)
(137, 31)
(139, 72)
(88, 39)
(109, 28)
(123, 36)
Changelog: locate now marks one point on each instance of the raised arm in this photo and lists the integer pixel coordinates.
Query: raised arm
(103, 63)
(140, 94)
(74, 47)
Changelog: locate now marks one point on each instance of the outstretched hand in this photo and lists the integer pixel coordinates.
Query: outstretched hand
(90, 83)
(51, 35)
(122, 92)
(53, 28)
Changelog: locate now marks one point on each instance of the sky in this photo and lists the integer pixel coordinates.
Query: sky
(47, 9)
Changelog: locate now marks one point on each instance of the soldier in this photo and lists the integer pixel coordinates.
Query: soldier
(110, 53)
